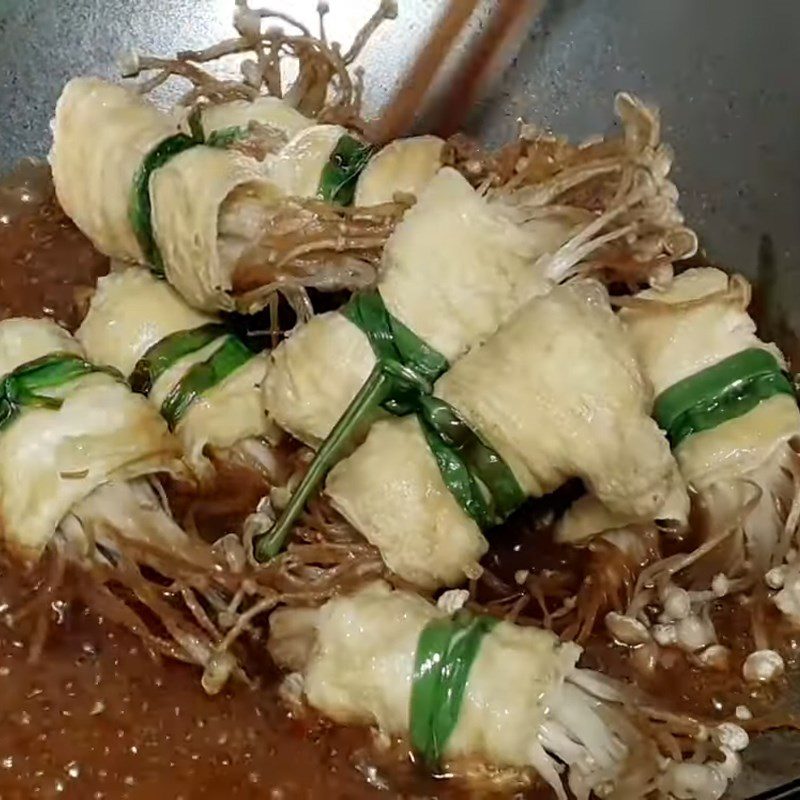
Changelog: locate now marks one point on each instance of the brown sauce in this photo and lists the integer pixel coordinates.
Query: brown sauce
(47, 268)
(222, 506)
(97, 718)
(675, 683)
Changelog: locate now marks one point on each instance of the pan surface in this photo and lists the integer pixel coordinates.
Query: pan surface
(723, 72)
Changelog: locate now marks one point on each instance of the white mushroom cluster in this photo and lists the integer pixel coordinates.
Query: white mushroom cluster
(675, 617)
(708, 780)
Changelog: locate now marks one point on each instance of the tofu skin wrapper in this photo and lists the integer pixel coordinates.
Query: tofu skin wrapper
(207, 204)
(130, 313)
(558, 394)
(453, 270)
(525, 703)
(743, 470)
(53, 459)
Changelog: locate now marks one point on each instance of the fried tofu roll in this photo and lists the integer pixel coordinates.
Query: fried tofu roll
(555, 394)
(205, 381)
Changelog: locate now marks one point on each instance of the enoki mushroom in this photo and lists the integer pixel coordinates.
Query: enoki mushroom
(196, 605)
(573, 600)
(311, 244)
(323, 86)
(623, 180)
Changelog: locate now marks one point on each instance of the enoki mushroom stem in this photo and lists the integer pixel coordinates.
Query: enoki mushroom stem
(323, 87)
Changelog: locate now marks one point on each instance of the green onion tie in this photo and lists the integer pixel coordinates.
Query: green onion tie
(390, 338)
(446, 651)
(339, 176)
(388, 379)
(22, 386)
(204, 376)
(140, 210)
(168, 351)
(722, 392)
(402, 383)
(476, 475)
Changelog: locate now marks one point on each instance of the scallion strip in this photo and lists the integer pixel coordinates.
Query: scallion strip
(461, 483)
(204, 376)
(22, 387)
(390, 338)
(141, 210)
(169, 350)
(478, 478)
(387, 379)
(472, 470)
(720, 393)
(402, 383)
(337, 183)
(140, 206)
(225, 137)
(446, 651)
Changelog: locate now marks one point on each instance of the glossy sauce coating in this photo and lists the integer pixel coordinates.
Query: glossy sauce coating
(96, 718)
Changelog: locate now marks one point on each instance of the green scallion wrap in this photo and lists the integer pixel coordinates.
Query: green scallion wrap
(140, 210)
(391, 339)
(478, 478)
(402, 383)
(24, 386)
(168, 351)
(446, 651)
(720, 393)
(204, 376)
(337, 183)
(476, 475)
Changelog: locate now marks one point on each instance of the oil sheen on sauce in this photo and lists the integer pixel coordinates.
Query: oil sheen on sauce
(95, 718)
